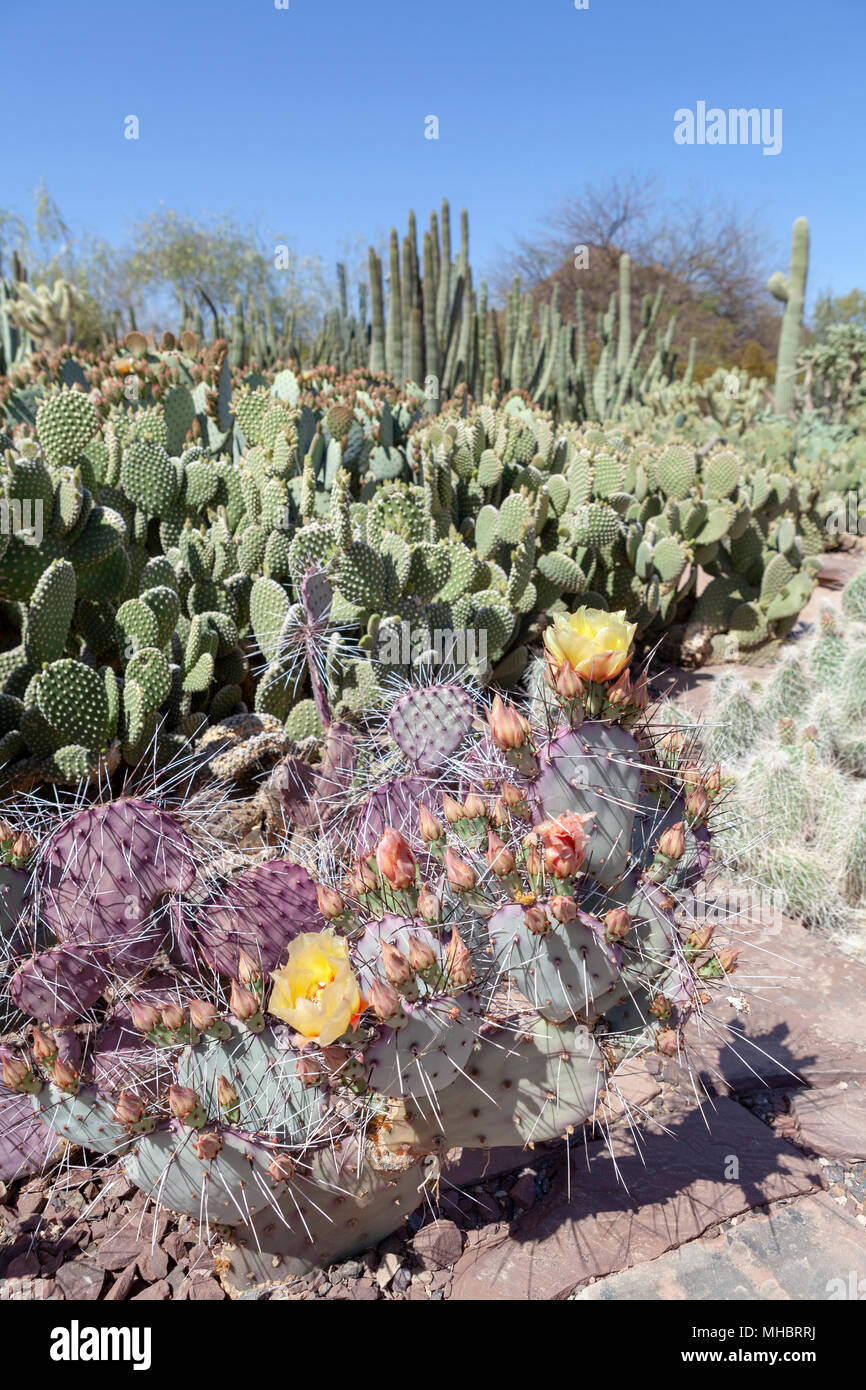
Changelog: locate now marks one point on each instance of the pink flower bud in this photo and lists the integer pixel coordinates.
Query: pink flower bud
(458, 961)
(396, 966)
(201, 1015)
(536, 921)
(281, 1168)
(129, 1109)
(249, 971)
(395, 859)
(619, 691)
(727, 959)
(566, 682)
(564, 842)
(640, 696)
(500, 859)
(473, 807)
(207, 1145)
(420, 954)
(459, 874)
(384, 1000)
(243, 1002)
(699, 938)
(308, 1071)
(697, 803)
(617, 924)
(16, 1073)
(429, 828)
(510, 795)
(500, 813)
(429, 904)
(182, 1102)
(330, 902)
(508, 729)
(172, 1016)
(44, 1046)
(713, 780)
(23, 846)
(453, 810)
(672, 842)
(563, 909)
(144, 1016)
(227, 1096)
(64, 1076)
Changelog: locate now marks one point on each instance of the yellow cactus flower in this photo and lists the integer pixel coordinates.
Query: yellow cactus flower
(593, 643)
(315, 992)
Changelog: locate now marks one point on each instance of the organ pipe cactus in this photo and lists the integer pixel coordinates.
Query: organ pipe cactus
(491, 919)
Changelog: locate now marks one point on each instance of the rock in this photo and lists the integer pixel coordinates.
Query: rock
(805, 1250)
(438, 1245)
(401, 1281)
(118, 1251)
(632, 1205)
(31, 1203)
(358, 1293)
(81, 1280)
(832, 1122)
(806, 1025)
(176, 1247)
(23, 1266)
(122, 1286)
(204, 1289)
(352, 1269)
(522, 1193)
(387, 1269)
(154, 1293)
(153, 1264)
(463, 1167)
(631, 1089)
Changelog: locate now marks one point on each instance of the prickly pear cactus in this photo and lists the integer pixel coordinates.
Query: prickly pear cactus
(462, 955)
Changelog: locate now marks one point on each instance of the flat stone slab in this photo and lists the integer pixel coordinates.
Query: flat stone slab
(806, 1249)
(832, 1122)
(805, 1019)
(631, 1203)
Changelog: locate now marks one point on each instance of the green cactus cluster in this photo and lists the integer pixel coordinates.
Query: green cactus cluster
(793, 748)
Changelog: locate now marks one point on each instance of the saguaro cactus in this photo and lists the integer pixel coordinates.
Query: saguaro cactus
(791, 289)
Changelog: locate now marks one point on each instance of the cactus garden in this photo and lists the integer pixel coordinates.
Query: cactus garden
(432, 700)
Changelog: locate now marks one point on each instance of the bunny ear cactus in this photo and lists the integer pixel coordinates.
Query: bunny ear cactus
(490, 918)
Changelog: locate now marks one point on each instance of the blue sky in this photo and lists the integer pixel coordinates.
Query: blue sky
(311, 119)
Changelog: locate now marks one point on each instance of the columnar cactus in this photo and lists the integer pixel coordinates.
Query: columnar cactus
(492, 918)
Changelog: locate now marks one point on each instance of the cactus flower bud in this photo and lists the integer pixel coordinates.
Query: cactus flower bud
(619, 691)
(699, 938)
(508, 728)
(249, 971)
(144, 1016)
(6, 831)
(429, 904)
(227, 1096)
(129, 1109)
(564, 844)
(617, 924)
(458, 961)
(384, 1001)
(500, 814)
(690, 775)
(308, 1071)
(473, 807)
(672, 843)
(207, 1145)
(182, 1102)
(499, 859)
(536, 921)
(563, 909)
(330, 902)
(202, 1016)
(534, 862)
(565, 681)
(697, 803)
(281, 1168)
(661, 1007)
(459, 874)
(395, 859)
(667, 1042)
(397, 971)
(23, 846)
(243, 1002)
(640, 692)
(44, 1046)
(172, 1016)
(727, 959)
(429, 828)
(451, 809)
(17, 1074)
(64, 1076)
(511, 795)
(713, 780)
(420, 955)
